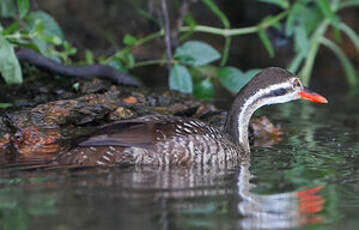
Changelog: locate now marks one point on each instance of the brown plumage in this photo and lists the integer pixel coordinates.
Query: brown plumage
(169, 140)
(159, 140)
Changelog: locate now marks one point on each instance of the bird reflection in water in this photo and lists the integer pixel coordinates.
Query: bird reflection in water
(184, 189)
(277, 211)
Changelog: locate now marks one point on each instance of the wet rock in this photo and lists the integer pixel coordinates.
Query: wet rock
(93, 86)
(33, 140)
(264, 133)
(121, 113)
(76, 111)
(4, 144)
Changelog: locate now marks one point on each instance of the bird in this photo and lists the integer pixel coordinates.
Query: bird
(166, 140)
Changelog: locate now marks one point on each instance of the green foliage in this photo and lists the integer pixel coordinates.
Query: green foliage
(308, 24)
(9, 65)
(195, 53)
(223, 18)
(281, 3)
(36, 30)
(266, 42)
(117, 63)
(23, 7)
(129, 40)
(306, 21)
(204, 89)
(214, 8)
(301, 40)
(348, 67)
(180, 79)
(234, 79)
(48, 23)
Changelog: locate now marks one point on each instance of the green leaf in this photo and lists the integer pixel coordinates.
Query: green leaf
(251, 73)
(347, 65)
(196, 53)
(214, 8)
(303, 15)
(53, 40)
(301, 41)
(12, 28)
(180, 79)
(89, 57)
(9, 65)
(294, 15)
(351, 34)
(117, 64)
(40, 45)
(204, 89)
(7, 9)
(51, 28)
(23, 7)
(5, 105)
(128, 60)
(202, 72)
(328, 12)
(266, 42)
(325, 8)
(269, 18)
(76, 86)
(68, 49)
(281, 3)
(129, 40)
(234, 79)
(189, 20)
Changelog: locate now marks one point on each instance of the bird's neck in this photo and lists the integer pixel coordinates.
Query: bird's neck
(243, 107)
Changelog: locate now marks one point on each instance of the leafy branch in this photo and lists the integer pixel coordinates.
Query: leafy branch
(36, 30)
(191, 68)
(315, 32)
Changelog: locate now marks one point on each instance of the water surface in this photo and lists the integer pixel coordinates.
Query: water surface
(308, 181)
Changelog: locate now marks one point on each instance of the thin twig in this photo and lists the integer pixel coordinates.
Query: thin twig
(183, 10)
(167, 31)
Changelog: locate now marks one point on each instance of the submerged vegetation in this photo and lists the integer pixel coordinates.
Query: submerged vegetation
(191, 66)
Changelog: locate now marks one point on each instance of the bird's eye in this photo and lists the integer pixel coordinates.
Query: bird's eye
(297, 84)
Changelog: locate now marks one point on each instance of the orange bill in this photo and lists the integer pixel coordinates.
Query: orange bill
(307, 94)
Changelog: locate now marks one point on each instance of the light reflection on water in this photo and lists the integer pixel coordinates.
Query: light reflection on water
(309, 180)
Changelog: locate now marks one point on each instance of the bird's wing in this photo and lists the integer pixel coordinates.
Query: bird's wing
(130, 133)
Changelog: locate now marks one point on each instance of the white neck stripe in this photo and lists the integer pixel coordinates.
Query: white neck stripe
(251, 100)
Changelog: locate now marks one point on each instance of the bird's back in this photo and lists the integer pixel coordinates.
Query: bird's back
(155, 140)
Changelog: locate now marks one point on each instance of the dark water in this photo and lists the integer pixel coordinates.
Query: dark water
(308, 181)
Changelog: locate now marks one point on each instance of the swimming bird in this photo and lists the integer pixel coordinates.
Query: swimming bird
(170, 140)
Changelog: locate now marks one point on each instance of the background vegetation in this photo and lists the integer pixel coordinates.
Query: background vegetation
(194, 66)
